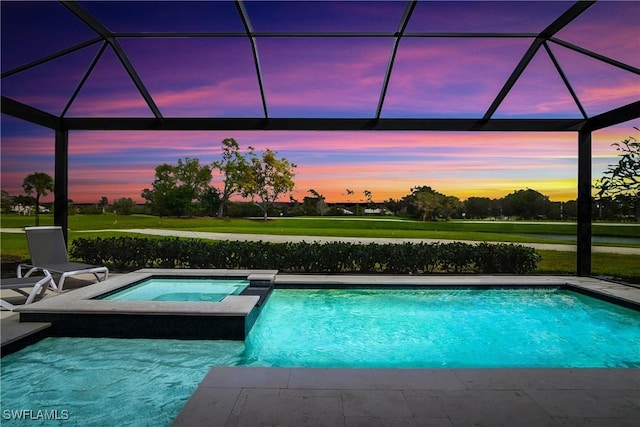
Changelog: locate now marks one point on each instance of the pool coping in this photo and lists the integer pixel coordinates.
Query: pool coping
(81, 300)
(76, 314)
(79, 314)
(611, 291)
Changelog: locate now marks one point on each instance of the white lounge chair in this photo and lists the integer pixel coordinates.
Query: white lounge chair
(49, 253)
(38, 284)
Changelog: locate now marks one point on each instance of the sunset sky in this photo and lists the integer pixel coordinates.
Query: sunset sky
(321, 77)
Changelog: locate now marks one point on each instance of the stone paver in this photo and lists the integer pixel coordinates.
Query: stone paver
(446, 397)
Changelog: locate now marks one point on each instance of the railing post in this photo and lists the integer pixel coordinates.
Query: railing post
(61, 181)
(583, 261)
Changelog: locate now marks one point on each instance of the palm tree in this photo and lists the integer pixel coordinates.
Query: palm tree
(41, 183)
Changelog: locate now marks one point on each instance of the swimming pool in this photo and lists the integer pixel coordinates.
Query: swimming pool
(202, 289)
(106, 381)
(446, 328)
(146, 382)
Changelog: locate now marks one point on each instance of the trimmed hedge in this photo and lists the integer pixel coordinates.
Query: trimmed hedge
(131, 253)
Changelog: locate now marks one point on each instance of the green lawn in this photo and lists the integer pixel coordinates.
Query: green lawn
(512, 231)
(554, 262)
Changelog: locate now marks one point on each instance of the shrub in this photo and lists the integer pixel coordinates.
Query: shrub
(131, 253)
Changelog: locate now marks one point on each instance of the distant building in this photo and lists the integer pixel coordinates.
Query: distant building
(376, 211)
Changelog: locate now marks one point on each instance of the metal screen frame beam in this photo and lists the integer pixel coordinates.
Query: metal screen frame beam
(583, 253)
(51, 57)
(566, 81)
(394, 49)
(332, 124)
(315, 34)
(614, 117)
(108, 36)
(28, 113)
(564, 19)
(84, 79)
(244, 17)
(597, 56)
(61, 180)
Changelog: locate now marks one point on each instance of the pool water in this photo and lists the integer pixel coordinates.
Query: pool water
(468, 328)
(102, 381)
(106, 381)
(180, 289)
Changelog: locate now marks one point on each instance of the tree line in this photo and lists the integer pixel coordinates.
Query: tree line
(185, 189)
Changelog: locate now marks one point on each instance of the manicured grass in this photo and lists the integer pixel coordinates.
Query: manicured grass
(553, 262)
(626, 267)
(15, 244)
(511, 231)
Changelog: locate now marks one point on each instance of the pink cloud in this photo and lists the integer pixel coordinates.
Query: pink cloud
(609, 28)
(232, 97)
(198, 77)
(598, 85)
(347, 75)
(121, 164)
(435, 77)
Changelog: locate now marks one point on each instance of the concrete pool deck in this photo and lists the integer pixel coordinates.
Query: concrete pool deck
(242, 396)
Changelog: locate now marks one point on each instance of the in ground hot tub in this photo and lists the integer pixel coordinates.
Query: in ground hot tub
(178, 288)
(159, 303)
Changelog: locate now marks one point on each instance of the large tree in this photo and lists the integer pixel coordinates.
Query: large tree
(526, 204)
(314, 205)
(621, 182)
(267, 178)
(177, 190)
(103, 204)
(425, 203)
(233, 166)
(40, 183)
(124, 206)
(481, 207)
(6, 201)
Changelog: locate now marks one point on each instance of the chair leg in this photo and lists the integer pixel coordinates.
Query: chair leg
(105, 275)
(6, 305)
(43, 284)
(52, 285)
(43, 290)
(21, 266)
(38, 287)
(60, 282)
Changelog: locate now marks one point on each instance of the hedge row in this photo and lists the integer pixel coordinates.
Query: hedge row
(129, 253)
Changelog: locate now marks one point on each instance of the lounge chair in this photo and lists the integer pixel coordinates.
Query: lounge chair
(38, 283)
(49, 253)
